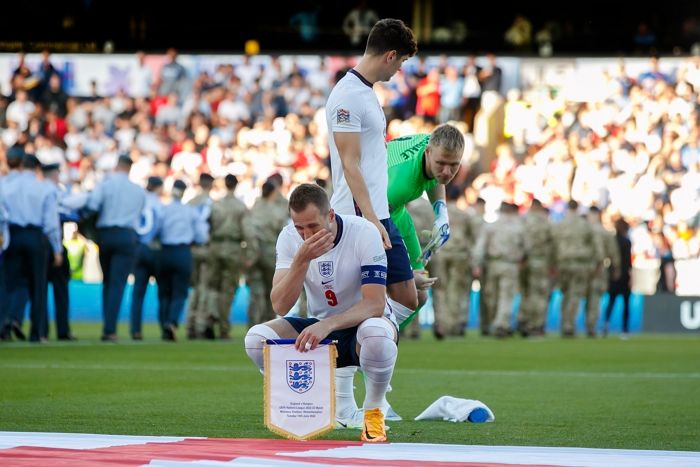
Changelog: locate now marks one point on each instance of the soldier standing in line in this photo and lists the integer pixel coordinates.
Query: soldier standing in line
(501, 249)
(486, 314)
(537, 273)
(196, 309)
(602, 271)
(453, 265)
(576, 247)
(268, 220)
(231, 233)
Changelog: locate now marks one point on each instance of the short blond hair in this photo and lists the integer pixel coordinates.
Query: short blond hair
(448, 138)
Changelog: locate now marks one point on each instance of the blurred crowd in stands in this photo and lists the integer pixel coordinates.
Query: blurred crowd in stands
(634, 152)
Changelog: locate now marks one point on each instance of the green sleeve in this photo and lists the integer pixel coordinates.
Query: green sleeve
(403, 221)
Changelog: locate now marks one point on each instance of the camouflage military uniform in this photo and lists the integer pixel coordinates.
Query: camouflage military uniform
(230, 234)
(500, 250)
(453, 269)
(576, 247)
(268, 218)
(535, 277)
(486, 314)
(600, 275)
(196, 309)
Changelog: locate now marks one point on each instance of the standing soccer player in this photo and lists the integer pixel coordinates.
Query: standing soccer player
(357, 141)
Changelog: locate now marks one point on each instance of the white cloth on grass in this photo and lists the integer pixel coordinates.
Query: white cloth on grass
(453, 409)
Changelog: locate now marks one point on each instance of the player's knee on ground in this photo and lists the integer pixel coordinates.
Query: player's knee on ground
(254, 340)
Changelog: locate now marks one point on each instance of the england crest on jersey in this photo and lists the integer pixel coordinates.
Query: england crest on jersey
(300, 375)
(325, 268)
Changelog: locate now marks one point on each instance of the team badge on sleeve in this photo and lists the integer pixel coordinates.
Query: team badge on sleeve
(343, 116)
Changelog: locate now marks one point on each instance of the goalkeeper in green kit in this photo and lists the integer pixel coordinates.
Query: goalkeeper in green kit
(417, 164)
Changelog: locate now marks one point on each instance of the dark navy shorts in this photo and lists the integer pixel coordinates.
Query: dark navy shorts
(398, 263)
(347, 341)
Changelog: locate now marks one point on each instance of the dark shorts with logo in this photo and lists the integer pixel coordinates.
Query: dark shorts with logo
(347, 341)
(398, 262)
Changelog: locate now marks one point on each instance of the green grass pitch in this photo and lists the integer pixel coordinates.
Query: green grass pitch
(643, 393)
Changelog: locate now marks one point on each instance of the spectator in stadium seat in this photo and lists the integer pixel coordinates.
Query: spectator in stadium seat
(54, 97)
(491, 76)
(428, 96)
(141, 77)
(173, 77)
(451, 86)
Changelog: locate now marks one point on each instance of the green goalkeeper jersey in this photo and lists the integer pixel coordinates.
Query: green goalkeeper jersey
(407, 182)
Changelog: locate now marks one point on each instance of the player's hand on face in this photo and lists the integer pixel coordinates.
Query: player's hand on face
(385, 235)
(422, 280)
(318, 244)
(310, 337)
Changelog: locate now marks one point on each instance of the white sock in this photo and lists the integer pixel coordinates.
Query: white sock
(378, 353)
(400, 312)
(254, 343)
(345, 405)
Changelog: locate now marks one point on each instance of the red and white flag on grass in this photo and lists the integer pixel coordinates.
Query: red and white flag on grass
(299, 389)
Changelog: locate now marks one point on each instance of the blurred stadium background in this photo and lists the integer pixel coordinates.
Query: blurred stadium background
(625, 84)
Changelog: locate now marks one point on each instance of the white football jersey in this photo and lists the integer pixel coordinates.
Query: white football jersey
(334, 281)
(353, 107)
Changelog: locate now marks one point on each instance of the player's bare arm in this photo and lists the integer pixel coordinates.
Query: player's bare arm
(350, 152)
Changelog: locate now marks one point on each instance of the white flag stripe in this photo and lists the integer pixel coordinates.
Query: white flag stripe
(12, 439)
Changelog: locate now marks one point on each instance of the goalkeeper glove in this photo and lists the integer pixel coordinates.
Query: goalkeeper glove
(440, 233)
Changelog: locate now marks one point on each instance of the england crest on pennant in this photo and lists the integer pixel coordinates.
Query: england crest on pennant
(300, 375)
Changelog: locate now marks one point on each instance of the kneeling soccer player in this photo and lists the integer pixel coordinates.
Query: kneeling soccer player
(341, 263)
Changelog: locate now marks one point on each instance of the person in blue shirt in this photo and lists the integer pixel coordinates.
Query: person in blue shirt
(9, 324)
(119, 203)
(32, 214)
(59, 276)
(147, 256)
(181, 226)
